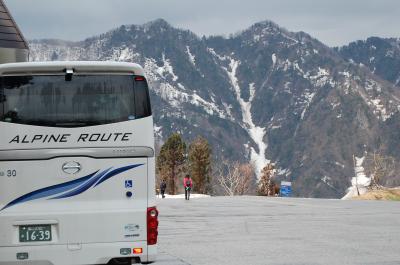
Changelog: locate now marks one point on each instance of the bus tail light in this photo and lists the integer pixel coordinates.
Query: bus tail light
(139, 78)
(152, 225)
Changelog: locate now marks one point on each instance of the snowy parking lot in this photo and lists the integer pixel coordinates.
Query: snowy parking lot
(259, 230)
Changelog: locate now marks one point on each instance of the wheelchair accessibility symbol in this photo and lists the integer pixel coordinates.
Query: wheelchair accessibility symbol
(128, 184)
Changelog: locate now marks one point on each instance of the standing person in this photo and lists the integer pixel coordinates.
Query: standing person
(163, 187)
(187, 184)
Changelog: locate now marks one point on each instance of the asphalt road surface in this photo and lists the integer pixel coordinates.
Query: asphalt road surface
(258, 230)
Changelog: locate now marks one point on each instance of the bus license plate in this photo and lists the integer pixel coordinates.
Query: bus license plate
(34, 233)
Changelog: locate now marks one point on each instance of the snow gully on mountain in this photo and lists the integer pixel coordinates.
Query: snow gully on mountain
(256, 133)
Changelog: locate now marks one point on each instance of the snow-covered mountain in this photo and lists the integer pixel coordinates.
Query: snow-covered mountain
(264, 94)
(381, 56)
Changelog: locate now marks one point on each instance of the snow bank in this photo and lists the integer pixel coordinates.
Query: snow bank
(182, 196)
(360, 180)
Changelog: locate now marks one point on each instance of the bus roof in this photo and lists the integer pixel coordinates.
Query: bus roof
(76, 66)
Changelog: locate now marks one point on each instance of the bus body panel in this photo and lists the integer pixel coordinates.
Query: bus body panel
(83, 214)
(151, 187)
(91, 185)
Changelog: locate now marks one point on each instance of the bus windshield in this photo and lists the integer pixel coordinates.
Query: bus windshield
(85, 100)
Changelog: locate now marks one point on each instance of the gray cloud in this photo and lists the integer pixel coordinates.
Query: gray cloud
(334, 22)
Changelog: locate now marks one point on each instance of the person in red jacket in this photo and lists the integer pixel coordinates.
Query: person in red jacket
(187, 184)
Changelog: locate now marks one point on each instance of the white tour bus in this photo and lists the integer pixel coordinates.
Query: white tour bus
(77, 166)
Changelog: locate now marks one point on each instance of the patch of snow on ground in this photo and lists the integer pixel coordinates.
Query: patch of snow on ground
(339, 164)
(210, 108)
(298, 68)
(255, 132)
(345, 74)
(125, 55)
(228, 109)
(389, 53)
(181, 86)
(283, 172)
(192, 58)
(222, 58)
(380, 109)
(158, 131)
(182, 196)
(166, 68)
(252, 90)
(360, 181)
(334, 105)
(321, 78)
(256, 37)
(347, 82)
(327, 181)
(150, 69)
(173, 95)
(322, 72)
(370, 85)
(309, 97)
(45, 52)
(273, 60)
(286, 65)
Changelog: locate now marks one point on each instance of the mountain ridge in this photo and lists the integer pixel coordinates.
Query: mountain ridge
(263, 94)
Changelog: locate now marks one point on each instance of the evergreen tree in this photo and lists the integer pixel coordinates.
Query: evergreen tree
(200, 165)
(171, 161)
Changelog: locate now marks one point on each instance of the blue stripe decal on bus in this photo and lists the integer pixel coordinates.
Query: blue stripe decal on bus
(83, 187)
(71, 188)
(48, 191)
(113, 173)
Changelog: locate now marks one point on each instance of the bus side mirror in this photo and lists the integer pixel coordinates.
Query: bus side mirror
(3, 98)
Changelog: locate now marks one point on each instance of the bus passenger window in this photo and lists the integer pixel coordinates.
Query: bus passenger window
(142, 101)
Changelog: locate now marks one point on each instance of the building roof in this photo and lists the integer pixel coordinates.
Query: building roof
(10, 35)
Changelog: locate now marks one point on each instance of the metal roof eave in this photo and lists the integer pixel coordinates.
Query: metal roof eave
(10, 34)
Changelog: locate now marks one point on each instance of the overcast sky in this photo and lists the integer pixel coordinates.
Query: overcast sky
(334, 22)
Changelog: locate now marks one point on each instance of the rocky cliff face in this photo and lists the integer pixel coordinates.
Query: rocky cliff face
(264, 94)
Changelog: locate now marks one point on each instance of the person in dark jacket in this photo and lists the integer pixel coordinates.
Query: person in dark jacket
(163, 187)
(187, 184)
